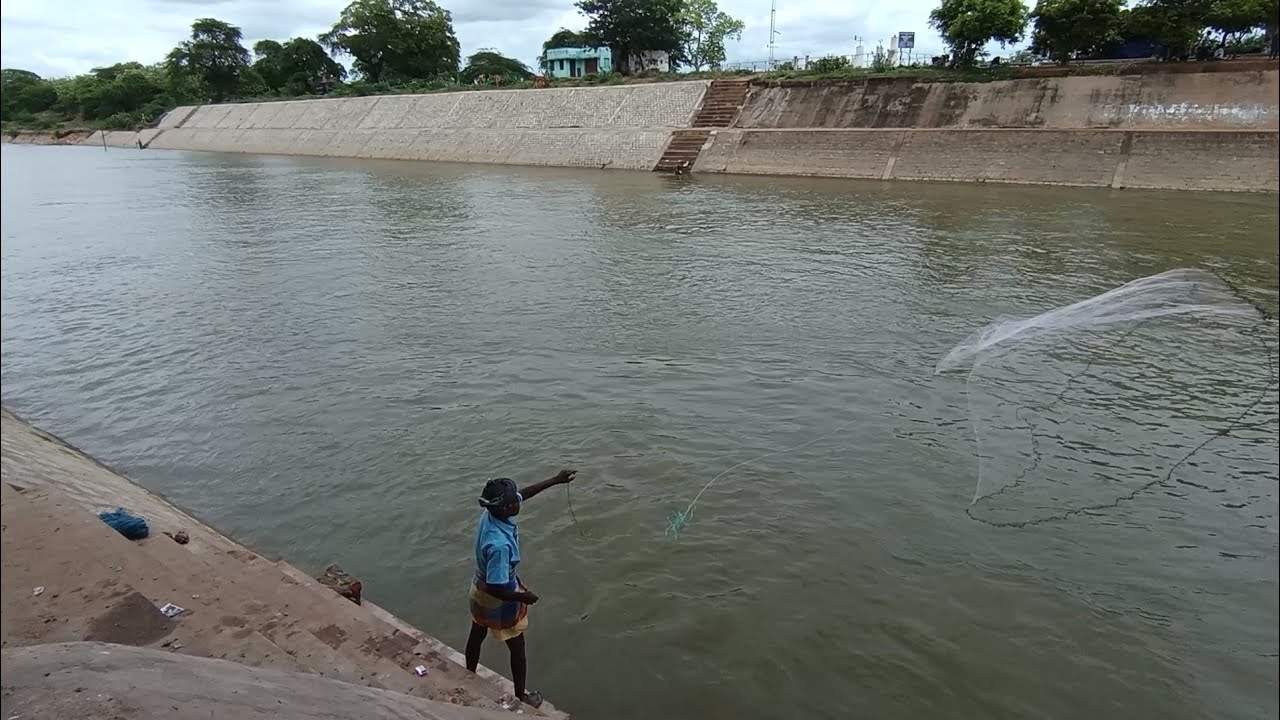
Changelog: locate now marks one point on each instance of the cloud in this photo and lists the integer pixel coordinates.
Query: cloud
(63, 37)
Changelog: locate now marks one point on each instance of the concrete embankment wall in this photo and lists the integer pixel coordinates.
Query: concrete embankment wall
(614, 126)
(1177, 126)
(1151, 101)
(1212, 160)
(239, 604)
(1202, 131)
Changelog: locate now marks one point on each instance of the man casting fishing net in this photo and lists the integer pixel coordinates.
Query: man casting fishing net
(499, 601)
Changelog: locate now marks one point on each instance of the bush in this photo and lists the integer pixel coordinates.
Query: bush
(120, 121)
(880, 61)
(154, 110)
(1253, 43)
(832, 64)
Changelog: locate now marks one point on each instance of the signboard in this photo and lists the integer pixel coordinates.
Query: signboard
(906, 40)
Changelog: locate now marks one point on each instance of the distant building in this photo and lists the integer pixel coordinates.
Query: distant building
(650, 60)
(576, 62)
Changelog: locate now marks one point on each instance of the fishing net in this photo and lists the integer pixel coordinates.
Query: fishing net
(1167, 382)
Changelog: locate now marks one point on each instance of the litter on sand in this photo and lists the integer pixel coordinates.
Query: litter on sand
(131, 526)
(170, 610)
(37, 590)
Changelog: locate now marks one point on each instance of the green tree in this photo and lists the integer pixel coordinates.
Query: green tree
(706, 26)
(630, 27)
(1235, 18)
(565, 38)
(393, 40)
(23, 92)
(490, 63)
(264, 49)
(296, 67)
(966, 26)
(213, 59)
(132, 91)
(1175, 24)
(1064, 28)
(1247, 44)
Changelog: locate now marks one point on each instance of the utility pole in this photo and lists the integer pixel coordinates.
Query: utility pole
(773, 31)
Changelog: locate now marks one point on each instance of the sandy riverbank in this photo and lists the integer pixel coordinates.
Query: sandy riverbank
(69, 577)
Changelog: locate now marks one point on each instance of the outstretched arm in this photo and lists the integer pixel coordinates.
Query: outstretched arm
(562, 477)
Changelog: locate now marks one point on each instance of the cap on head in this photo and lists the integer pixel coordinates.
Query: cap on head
(499, 493)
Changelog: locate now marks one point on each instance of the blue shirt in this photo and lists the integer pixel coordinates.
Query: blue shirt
(497, 551)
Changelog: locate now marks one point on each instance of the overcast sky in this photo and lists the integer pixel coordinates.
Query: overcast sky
(64, 37)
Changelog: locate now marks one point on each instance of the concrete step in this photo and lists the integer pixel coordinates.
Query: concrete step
(682, 149)
(104, 567)
(382, 650)
(108, 587)
(235, 603)
(247, 647)
(324, 632)
(52, 543)
(317, 657)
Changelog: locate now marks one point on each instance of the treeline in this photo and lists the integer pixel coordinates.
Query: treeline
(1064, 30)
(392, 45)
(410, 46)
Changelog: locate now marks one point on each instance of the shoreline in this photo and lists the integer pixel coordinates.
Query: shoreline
(1207, 128)
(46, 480)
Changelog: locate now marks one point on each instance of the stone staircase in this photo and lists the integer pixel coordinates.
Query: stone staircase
(69, 577)
(721, 104)
(720, 107)
(682, 150)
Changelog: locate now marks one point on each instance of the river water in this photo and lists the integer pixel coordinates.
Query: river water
(327, 358)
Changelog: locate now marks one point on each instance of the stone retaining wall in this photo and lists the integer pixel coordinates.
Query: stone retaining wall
(609, 127)
(1187, 130)
(1151, 101)
(1205, 160)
